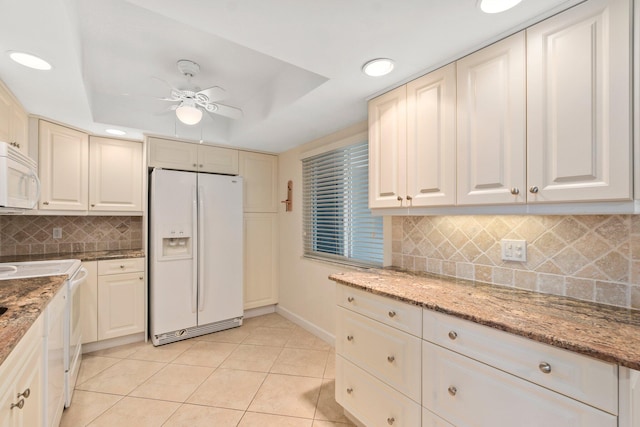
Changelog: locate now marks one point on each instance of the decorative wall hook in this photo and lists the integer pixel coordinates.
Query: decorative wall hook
(289, 202)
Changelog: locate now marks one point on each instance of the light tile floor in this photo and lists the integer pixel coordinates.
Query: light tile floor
(268, 372)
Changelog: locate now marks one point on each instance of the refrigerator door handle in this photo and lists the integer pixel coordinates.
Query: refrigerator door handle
(201, 253)
(194, 264)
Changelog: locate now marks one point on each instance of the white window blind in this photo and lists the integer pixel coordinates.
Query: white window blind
(337, 221)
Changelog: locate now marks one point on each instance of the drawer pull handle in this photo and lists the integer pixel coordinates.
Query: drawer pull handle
(349, 337)
(544, 367)
(121, 266)
(391, 420)
(392, 313)
(390, 359)
(350, 299)
(349, 390)
(25, 393)
(453, 335)
(18, 405)
(452, 390)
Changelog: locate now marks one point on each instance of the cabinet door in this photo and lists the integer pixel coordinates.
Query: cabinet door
(491, 124)
(115, 175)
(260, 175)
(431, 138)
(578, 105)
(217, 160)
(120, 305)
(63, 168)
(164, 153)
(31, 379)
(387, 149)
(260, 259)
(89, 303)
(5, 114)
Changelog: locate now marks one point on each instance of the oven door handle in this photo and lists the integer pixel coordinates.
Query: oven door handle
(78, 278)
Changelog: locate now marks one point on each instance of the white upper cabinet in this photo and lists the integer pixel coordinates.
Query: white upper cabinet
(491, 124)
(63, 168)
(260, 176)
(431, 138)
(115, 175)
(388, 149)
(169, 154)
(13, 121)
(579, 98)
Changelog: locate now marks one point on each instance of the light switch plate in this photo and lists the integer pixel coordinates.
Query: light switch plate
(57, 232)
(514, 250)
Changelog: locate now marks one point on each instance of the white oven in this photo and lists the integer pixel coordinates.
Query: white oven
(73, 334)
(19, 184)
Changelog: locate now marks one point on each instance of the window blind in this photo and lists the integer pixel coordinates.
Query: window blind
(337, 221)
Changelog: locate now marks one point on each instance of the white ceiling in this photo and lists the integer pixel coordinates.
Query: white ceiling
(292, 66)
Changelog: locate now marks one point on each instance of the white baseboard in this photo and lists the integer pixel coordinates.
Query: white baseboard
(259, 311)
(113, 342)
(315, 330)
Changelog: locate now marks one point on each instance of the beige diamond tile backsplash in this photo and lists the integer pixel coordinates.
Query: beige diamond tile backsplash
(593, 258)
(25, 235)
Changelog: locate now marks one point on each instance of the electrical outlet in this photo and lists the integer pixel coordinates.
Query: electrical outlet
(514, 250)
(57, 233)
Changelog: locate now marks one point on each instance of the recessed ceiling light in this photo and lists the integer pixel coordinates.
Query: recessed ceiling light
(378, 67)
(116, 132)
(497, 6)
(29, 60)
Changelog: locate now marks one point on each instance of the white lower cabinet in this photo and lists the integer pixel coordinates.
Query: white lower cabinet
(370, 400)
(468, 393)
(22, 381)
(121, 296)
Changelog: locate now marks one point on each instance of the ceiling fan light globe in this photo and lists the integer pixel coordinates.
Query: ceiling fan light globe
(189, 115)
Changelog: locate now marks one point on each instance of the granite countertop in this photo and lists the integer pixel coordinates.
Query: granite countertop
(600, 331)
(82, 256)
(25, 300)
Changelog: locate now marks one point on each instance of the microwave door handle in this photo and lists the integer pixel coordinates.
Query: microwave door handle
(35, 176)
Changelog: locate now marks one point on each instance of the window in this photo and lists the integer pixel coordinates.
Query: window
(337, 222)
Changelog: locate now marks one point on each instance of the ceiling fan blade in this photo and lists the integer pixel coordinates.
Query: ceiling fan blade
(227, 111)
(212, 94)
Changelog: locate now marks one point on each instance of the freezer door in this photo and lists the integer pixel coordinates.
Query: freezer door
(173, 243)
(220, 248)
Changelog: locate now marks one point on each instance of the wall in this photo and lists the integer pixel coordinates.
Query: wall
(26, 235)
(305, 292)
(589, 257)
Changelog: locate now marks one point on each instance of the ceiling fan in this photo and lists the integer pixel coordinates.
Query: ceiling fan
(192, 102)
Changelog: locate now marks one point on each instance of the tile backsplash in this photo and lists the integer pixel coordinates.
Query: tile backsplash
(27, 235)
(589, 257)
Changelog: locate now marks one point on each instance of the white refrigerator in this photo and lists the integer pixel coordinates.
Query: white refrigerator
(195, 249)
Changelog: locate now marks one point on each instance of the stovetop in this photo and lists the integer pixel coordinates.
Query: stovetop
(21, 270)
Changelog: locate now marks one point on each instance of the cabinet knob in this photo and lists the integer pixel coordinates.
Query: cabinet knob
(399, 199)
(25, 393)
(200, 166)
(349, 390)
(453, 335)
(409, 198)
(350, 299)
(452, 390)
(392, 313)
(349, 337)
(121, 266)
(93, 205)
(18, 405)
(544, 367)
(390, 359)
(515, 191)
(391, 420)
(195, 165)
(141, 278)
(533, 189)
(45, 203)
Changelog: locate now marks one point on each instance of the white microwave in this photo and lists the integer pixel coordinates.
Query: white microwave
(19, 183)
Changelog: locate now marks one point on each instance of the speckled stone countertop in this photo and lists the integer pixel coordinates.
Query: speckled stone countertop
(82, 256)
(603, 332)
(25, 300)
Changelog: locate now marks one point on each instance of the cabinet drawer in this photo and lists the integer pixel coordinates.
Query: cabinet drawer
(372, 402)
(583, 378)
(468, 393)
(117, 266)
(388, 354)
(394, 313)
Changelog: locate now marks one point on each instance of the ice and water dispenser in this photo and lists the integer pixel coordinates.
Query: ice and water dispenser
(176, 242)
